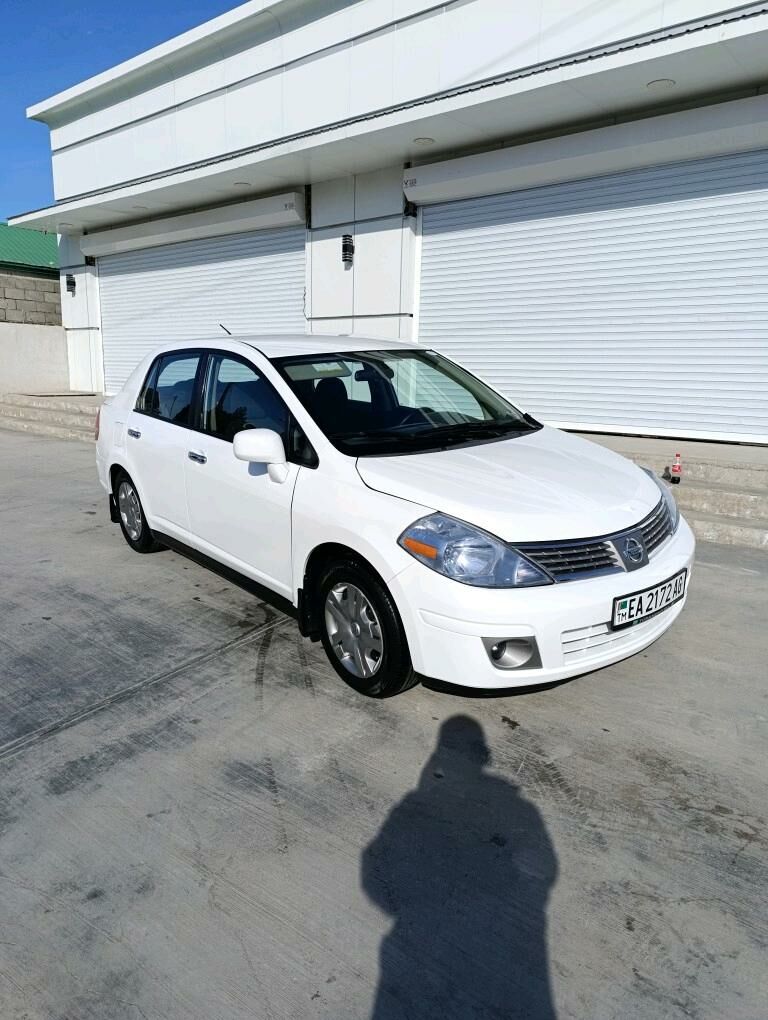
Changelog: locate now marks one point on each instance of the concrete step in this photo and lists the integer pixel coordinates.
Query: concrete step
(722, 500)
(724, 489)
(34, 426)
(85, 404)
(753, 477)
(749, 534)
(49, 415)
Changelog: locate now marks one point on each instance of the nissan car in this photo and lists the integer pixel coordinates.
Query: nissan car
(418, 523)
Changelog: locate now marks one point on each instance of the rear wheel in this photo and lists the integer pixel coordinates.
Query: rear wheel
(362, 632)
(133, 523)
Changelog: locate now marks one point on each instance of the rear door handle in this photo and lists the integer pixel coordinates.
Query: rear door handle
(134, 433)
(199, 458)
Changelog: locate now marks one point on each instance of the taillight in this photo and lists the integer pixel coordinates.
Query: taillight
(96, 425)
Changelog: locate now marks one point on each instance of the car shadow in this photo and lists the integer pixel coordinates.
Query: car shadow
(459, 691)
(464, 866)
(259, 591)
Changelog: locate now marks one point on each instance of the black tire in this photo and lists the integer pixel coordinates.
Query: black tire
(141, 540)
(392, 672)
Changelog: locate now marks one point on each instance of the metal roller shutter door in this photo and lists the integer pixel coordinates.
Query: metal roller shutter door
(251, 282)
(636, 302)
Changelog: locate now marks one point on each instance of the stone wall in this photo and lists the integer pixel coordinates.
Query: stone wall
(29, 297)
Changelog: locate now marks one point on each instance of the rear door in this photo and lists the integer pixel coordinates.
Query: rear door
(237, 513)
(159, 434)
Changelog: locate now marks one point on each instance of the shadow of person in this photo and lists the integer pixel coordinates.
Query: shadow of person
(464, 865)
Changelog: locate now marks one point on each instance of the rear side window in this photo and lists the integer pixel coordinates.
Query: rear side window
(169, 389)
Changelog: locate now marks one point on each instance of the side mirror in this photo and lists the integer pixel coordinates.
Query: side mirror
(262, 446)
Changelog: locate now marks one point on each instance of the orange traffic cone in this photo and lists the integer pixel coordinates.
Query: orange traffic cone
(677, 470)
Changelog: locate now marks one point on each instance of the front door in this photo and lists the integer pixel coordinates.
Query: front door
(158, 437)
(237, 513)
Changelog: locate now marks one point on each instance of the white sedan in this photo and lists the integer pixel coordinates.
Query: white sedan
(419, 523)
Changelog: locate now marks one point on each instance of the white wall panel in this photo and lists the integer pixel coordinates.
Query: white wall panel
(371, 69)
(352, 62)
(251, 282)
(378, 265)
(332, 290)
(571, 27)
(379, 193)
(390, 327)
(481, 40)
(316, 91)
(417, 60)
(636, 301)
(333, 327)
(216, 75)
(201, 128)
(333, 202)
(254, 111)
(144, 104)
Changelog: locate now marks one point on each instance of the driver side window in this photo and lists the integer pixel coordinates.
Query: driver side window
(237, 397)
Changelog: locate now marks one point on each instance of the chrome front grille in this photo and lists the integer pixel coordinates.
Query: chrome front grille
(657, 527)
(566, 561)
(571, 560)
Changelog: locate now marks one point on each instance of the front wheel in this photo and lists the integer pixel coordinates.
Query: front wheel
(362, 632)
(131, 514)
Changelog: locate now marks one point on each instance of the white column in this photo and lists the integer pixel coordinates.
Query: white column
(81, 317)
(374, 294)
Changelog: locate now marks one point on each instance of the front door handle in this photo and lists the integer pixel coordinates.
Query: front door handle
(134, 433)
(198, 458)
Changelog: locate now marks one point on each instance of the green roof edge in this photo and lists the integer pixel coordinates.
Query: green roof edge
(21, 247)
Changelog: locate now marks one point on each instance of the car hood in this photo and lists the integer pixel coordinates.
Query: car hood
(534, 488)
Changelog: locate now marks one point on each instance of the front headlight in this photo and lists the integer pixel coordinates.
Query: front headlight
(469, 555)
(669, 499)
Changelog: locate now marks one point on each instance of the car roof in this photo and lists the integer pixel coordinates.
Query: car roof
(276, 345)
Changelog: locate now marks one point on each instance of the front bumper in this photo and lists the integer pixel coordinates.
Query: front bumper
(446, 622)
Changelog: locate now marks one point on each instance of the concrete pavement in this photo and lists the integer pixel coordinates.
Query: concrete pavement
(198, 820)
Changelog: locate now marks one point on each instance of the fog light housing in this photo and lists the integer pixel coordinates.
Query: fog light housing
(513, 653)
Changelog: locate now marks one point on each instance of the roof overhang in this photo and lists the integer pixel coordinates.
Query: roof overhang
(212, 36)
(712, 62)
(24, 268)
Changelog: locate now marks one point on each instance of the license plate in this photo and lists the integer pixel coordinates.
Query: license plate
(630, 609)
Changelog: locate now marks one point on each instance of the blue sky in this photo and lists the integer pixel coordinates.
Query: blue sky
(49, 46)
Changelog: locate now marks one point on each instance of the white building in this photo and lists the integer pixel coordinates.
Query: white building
(569, 196)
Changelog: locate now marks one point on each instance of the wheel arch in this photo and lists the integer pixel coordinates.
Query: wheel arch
(116, 469)
(318, 558)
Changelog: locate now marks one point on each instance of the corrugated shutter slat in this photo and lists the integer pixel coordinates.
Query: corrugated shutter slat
(636, 301)
(251, 282)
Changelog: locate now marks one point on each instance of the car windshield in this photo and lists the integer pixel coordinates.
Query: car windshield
(380, 402)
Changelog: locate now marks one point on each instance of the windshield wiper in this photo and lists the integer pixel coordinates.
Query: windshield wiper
(479, 428)
(374, 434)
(456, 432)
